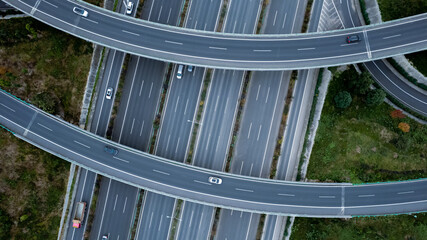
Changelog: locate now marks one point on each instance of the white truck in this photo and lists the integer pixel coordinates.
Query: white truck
(79, 214)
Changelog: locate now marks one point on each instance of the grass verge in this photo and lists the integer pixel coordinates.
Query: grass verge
(44, 66)
(365, 144)
(32, 188)
(388, 227)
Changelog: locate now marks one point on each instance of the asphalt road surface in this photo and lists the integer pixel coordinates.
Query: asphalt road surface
(84, 193)
(262, 52)
(190, 182)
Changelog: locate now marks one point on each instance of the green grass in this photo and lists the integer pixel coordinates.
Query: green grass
(395, 9)
(419, 60)
(49, 62)
(400, 227)
(358, 144)
(33, 185)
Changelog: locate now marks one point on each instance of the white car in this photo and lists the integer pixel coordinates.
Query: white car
(129, 8)
(109, 93)
(80, 11)
(215, 180)
(105, 237)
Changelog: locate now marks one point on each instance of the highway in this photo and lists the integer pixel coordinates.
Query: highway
(190, 183)
(154, 222)
(230, 51)
(394, 84)
(116, 200)
(84, 192)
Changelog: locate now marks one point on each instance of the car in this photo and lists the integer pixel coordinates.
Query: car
(129, 8)
(179, 72)
(215, 180)
(105, 237)
(353, 39)
(111, 150)
(109, 93)
(190, 68)
(80, 11)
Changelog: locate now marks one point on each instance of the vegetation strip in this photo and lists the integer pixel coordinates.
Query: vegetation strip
(307, 16)
(92, 207)
(118, 96)
(310, 122)
(262, 15)
(156, 122)
(236, 127)
(137, 213)
(279, 142)
(175, 219)
(94, 86)
(206, 83)
(222, 15)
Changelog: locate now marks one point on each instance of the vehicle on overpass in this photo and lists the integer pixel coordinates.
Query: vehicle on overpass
(79, 214)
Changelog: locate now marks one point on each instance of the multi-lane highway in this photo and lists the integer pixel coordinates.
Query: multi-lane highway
(190, 182)
(231, 51)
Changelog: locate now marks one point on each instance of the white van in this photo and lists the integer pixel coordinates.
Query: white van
(179, 72)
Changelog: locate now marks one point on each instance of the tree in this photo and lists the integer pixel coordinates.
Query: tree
(362, 83)
(397, 114)
(375, 97)
(45, 101)
(343, 99)
(404, 127)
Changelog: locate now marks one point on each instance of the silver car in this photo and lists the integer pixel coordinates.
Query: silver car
(129, 8)
(109, 93)
(215, 180)
(80, 11)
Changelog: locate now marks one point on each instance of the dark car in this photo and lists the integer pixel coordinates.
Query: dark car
(111, 150)
(353, 39)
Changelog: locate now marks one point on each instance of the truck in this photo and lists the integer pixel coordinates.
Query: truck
(79, 214)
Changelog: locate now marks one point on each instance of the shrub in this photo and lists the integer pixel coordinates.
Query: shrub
(45, 101)
(343, 99)
(375, 97)
(404, 127)
(5, 225)
(361, 84)
(402, 142)
(397, 114)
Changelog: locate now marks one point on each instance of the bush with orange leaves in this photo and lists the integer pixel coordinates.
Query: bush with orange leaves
(404, 127)
(397, 114)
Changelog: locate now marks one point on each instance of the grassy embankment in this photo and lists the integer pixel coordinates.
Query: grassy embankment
(395, 9)
(48, 68)
(364, 144)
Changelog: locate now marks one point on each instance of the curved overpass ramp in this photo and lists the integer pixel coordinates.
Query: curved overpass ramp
(190, 183)
(230, 51)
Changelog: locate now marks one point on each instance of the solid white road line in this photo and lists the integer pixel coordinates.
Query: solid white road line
(126, 161)
(244, 190)
(305, 49)
(218, 48)
(172, 42)
(115, 202)
(286, 194)
(7, 107)
(397, 35)
(51, 4)
(206, 183)
(90, 20)
(84, 145)
(136, 34)
(124, 206)
(326, 196)
(41, 125)
(408, 192)
(366, 195)
(161, 172)
(262, 50)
